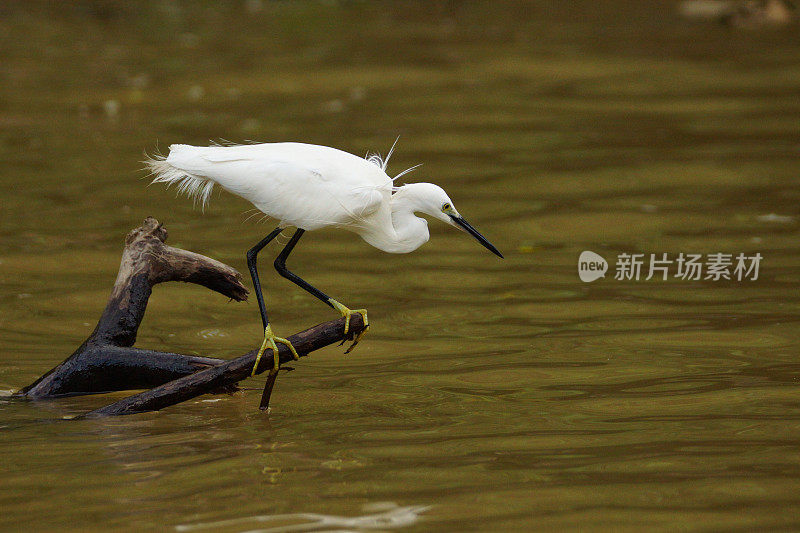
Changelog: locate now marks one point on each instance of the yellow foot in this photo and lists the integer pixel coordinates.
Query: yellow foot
(270, 341)
(347, 313)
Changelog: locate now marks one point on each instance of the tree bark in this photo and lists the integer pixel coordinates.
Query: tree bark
(107, 360)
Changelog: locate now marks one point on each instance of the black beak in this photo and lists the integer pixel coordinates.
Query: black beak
(466, 226)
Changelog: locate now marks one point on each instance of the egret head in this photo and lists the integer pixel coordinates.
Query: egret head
(432, 200)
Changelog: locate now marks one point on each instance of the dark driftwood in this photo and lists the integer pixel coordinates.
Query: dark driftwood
(229, 372)
(107, 360)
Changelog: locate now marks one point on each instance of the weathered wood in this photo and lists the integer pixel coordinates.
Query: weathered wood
(97, 368)
(106, 361)
(229, 372)
(147, 261)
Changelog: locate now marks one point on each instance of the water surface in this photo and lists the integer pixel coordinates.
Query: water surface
(488, 394)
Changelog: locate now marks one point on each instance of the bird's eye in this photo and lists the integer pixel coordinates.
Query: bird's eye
(446, 207)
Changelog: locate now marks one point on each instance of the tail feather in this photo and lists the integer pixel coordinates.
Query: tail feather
(163, 171)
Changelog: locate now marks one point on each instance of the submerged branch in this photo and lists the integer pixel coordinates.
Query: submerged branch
(107, 360)
(230, 372)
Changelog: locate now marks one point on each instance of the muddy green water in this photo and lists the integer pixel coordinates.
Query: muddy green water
(489, 395)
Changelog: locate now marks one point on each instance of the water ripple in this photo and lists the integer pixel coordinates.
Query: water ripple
(394, 517)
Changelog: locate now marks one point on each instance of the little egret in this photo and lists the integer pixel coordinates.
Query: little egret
(311, 187)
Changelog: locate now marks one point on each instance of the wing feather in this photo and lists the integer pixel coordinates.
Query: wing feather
(302, 185)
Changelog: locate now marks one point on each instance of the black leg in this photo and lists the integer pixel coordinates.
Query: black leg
(252, 254)
(268, 386)
(280, 266)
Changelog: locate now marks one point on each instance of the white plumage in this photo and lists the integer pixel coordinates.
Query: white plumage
(310, 187)
(287, 181)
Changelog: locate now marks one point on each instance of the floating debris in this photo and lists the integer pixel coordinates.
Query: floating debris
(189, 40)
(333, 106)
(393, 518)
(111, 108)
(212, 333)
(254, 6)
(196, 93)
(751, 14)
(774, 218)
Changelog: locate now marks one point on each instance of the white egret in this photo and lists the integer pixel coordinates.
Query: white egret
(311, 187)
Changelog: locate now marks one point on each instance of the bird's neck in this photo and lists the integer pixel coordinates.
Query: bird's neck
(407, 232)
(411, 231)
